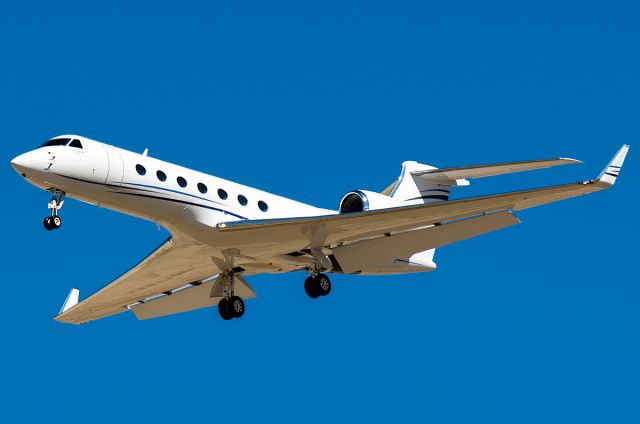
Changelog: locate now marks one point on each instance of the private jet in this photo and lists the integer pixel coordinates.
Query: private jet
(222, 231)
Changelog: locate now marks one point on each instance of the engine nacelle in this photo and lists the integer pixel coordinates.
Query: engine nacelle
(362, 200)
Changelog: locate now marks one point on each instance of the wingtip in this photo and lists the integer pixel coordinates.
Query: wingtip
(70, 301)
(610, 173)
(571, 160)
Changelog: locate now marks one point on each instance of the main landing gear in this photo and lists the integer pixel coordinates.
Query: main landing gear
(317, 285)
(53, 221)
(230, 306)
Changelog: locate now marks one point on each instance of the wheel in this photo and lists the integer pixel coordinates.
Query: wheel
(224, 310)
(48, 224)
(56, 222)
(323, 285)
(236, 306)
(311, 288)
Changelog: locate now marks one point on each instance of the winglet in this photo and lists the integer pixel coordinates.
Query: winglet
(610, 173)
(72, 300)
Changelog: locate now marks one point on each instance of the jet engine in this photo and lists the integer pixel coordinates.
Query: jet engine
(362, 200)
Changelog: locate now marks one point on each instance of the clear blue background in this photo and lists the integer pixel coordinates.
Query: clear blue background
(536, 323)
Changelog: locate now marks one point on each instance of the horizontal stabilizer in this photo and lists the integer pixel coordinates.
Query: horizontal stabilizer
(71, 300)
(189, 299)
(446, 175)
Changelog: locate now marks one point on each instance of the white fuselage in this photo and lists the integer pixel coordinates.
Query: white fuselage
(182, 200)
(107, 176)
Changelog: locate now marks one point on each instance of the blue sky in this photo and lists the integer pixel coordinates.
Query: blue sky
(536, 323)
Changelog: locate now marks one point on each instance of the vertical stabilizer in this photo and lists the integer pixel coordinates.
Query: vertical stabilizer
(412, 188)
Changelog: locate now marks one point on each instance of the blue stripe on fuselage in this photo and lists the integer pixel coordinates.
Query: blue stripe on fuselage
(180, 201)
(173, 191)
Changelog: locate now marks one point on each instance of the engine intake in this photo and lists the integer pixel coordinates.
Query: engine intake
(356, 201)
(362, 200)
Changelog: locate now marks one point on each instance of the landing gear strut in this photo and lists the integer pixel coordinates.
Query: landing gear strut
(318, 284)
(53, 221)
(230, 306)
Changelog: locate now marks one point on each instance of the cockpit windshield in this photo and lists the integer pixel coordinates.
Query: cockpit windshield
(75, 143)
(63, 142)
(56, 142)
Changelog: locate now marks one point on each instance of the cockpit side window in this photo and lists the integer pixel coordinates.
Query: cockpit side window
(75, 143)
(56, 142)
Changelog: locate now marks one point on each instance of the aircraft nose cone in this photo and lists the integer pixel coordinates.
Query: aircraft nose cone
(24, 162)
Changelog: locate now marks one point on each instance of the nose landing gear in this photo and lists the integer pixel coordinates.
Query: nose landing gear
(53, 221)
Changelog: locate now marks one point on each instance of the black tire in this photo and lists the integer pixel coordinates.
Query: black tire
(311, 288)
(236, 306)
(48, 224)
(323, 285)
(56, 222)
(224, 310)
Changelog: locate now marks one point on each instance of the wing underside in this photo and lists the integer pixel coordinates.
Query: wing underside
(173, 265)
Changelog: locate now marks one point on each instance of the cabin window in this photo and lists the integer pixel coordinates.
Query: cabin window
(222, 194)
(263, 206)
(181, 182)
(140, 169)
(242, 200)
(202, 188)
(75, 143)
(161, 176)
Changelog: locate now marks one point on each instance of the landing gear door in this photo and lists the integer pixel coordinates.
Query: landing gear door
(116, 167)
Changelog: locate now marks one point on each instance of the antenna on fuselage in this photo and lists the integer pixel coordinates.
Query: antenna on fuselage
(146, 151)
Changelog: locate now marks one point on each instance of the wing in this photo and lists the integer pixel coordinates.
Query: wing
(456, 176)
(479, 171)
(259, 238)
(176, 263)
